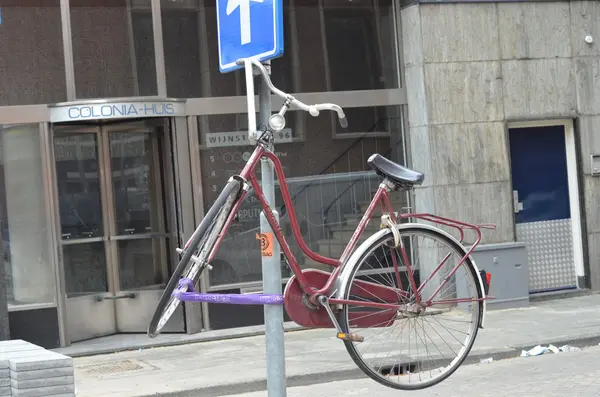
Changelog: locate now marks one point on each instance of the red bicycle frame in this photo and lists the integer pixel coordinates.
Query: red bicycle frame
(380, 196)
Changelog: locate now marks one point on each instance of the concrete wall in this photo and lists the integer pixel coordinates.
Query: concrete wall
(472, 67)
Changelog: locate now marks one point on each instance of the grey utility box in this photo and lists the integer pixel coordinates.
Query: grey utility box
(507, 263)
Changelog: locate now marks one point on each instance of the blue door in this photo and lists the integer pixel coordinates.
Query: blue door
(541, 205)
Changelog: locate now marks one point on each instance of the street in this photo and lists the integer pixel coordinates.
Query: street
(225, 366)
(573, 374)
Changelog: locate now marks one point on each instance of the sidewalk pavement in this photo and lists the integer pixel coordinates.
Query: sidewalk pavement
(558, 375)
(236, 366)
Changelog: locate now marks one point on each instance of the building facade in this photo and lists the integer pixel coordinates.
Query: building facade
(118, 131)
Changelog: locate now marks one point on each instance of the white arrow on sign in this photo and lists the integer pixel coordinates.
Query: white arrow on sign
(244, 6)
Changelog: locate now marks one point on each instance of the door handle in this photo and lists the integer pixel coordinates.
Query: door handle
(518, 207)
(130, 295)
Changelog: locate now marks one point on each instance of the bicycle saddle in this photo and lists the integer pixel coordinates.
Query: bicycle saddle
(396, 172)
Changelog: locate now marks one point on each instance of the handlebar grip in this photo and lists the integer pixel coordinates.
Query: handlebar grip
(343, 122)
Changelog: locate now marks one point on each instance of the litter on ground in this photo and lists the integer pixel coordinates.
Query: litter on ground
(539, 350)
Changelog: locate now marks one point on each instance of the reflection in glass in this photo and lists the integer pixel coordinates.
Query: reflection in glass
(328, 177)
(113, 49)
(141, 263)
(24, 230)
(85, 269)
(32, 53)
(78, 184)
(132, 168)
(332, 45)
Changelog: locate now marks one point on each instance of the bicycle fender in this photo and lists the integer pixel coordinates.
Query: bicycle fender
(344, 278)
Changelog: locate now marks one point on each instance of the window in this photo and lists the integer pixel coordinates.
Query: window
(113, 49)
(25, 247)
(329, 180)
(331, 45)
(31, 49)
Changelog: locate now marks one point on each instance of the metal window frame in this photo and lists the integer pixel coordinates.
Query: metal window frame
(47, 191)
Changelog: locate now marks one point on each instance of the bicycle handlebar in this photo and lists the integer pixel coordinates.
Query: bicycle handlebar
(314, 110)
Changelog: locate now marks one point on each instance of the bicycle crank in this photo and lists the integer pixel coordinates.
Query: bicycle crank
(324, 301)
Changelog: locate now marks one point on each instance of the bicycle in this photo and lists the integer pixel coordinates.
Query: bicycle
(318, 299)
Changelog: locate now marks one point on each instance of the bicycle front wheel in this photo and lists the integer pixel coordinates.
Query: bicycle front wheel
(202, 243)
(412, 346)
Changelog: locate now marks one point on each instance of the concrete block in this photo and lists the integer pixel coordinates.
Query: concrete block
(424, 200)
(594, 259)
(589, 128)
(26, 353)
(43, 391)
(459, 32)
(420, 149)
(42, 382)
(479, 203)
(412, 43)
(538, 88)
(591, 191)
(416, 97)
(37, 363)
(587, 71)
(5, 391)
(469, 153)
(464, 92)
(5, 372)
(4, 382)
(445, 90)
(585, 17)
(43, 373)
(20, 346)
(15, 342)
(534, 30)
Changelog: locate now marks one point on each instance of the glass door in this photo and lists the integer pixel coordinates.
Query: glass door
(140, 238)
(116, 240)
(83, 227)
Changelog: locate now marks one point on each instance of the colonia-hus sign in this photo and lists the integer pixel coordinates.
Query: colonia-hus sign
(115, 110)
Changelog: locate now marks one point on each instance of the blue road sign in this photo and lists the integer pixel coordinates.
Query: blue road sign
(249, 29)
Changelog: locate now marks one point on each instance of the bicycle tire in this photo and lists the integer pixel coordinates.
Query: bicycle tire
(343, 314)
(232, 187)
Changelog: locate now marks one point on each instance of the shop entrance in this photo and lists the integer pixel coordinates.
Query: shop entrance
(115, 195)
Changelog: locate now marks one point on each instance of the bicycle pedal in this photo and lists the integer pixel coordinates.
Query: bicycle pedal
(350, 337)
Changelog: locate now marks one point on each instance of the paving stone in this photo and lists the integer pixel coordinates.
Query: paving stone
(43, 391)
(42, 382)
(572, 374)
(18, 345)
(47, 361)
(42, 373)
(230, 366)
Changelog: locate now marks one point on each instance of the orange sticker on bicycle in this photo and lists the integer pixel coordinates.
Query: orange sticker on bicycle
(266, 243)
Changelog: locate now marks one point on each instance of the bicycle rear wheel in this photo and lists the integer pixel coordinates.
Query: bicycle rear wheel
(406, 348)
(202, 243)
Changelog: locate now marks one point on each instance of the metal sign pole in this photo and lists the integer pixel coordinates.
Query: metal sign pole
(271, 269)
(248, 29)
(250, 99)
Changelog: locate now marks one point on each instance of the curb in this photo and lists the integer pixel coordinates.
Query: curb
(201, 338)
(355, 373)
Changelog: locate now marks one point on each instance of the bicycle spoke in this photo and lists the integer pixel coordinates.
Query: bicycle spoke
(396, 349)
